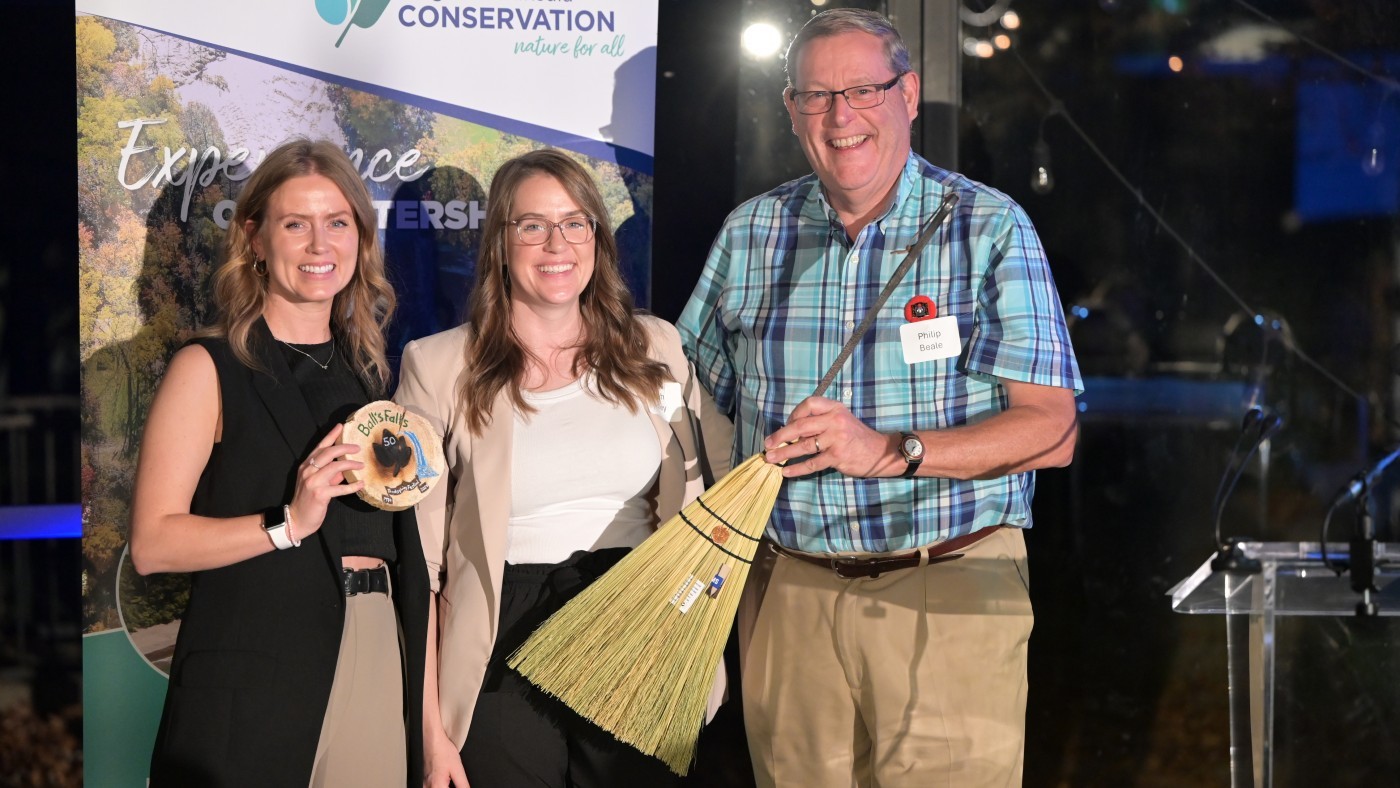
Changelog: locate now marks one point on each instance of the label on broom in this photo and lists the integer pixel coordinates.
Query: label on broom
(692, 596)
(718, 582)
(402, 455)
(696, 586)
(676, 597)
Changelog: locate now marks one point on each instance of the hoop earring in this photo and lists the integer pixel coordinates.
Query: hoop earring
(260, 267)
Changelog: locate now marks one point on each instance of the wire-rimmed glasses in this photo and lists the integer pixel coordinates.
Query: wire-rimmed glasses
(817, 102)
(533, 231)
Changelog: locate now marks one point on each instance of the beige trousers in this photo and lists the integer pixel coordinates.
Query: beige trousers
(913, 679)
(363, 741)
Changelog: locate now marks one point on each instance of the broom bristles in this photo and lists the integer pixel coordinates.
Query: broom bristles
(636, 651)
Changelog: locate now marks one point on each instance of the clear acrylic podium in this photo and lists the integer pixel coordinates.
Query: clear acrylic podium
(1291, 581)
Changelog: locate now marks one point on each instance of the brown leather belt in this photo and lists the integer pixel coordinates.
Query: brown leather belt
(851, 567)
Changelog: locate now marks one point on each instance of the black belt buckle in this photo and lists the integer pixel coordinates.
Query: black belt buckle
(364, 581)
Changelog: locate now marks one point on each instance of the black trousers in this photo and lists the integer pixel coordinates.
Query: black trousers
(520, 737)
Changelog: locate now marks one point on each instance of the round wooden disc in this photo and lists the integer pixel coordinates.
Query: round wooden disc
(402, 455)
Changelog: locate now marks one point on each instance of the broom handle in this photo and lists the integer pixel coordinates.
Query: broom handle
(949, 200)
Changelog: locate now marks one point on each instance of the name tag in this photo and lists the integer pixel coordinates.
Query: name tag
(930, 340)
(671, 400)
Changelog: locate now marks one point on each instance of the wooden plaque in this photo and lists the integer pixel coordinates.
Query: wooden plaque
(402, 455)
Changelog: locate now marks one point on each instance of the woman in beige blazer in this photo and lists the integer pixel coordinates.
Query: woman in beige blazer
(551, 350)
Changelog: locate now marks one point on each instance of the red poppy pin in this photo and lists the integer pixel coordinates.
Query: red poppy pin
(920, 308)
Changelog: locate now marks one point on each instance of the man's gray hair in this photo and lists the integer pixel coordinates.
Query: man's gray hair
(849, 20)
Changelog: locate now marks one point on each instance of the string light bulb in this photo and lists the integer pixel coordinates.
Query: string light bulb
(1373, 158)
(1042, 177)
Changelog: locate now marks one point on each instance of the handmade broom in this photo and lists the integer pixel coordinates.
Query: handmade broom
(636, 651)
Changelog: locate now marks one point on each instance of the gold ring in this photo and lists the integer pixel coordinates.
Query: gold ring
(818, 443)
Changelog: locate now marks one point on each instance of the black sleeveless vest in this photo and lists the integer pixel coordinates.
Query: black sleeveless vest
(258, 643)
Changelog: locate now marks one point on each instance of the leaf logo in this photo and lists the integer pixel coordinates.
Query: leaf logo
(360, 13)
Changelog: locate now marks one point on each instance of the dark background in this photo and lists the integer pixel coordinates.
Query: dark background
(1244, 170)
(40, 657)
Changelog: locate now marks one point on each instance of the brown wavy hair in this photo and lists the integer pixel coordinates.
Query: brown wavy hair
(613, 346)
(360, 311)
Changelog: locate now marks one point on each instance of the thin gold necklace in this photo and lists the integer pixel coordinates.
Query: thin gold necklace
(329, 359)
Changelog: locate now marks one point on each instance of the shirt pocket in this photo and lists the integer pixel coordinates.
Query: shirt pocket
(961, 304)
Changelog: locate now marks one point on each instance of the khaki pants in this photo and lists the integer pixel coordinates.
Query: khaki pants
(363, 741)
(916, 678)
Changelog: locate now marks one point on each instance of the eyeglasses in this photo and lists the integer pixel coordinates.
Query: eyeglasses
(575, 229)
(816, 102)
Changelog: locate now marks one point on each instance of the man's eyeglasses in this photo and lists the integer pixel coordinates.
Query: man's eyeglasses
(817, 102)
(575, 229)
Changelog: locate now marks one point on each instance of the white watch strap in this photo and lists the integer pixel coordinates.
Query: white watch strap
(281, 533)
(278, 535)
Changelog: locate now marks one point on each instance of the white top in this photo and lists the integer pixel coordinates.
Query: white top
(581, 469)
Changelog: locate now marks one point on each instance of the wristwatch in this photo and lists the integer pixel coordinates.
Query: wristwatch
(278, 530)
(912, 450)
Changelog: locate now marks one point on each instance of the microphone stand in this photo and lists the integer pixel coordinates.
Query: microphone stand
(1362, 561)
(1363, 557)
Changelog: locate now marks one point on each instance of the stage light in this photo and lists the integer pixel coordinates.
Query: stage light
(1001, 41)
(984, 48)
(1010, 20)
(761, 40)
(1174, 63)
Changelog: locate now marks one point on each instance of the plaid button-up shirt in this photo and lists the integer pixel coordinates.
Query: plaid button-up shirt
(782, 289)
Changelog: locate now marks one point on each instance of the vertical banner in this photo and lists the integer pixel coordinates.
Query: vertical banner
(178, 103)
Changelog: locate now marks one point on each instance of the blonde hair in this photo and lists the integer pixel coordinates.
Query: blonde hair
(613, 347)
(359, 313)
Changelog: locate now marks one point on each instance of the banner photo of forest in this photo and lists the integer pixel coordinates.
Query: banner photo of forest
(168, 130)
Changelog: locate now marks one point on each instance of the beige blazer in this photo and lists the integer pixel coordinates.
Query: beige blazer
(463, 521)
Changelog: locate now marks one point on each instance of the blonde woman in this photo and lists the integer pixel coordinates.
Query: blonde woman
(287, 671)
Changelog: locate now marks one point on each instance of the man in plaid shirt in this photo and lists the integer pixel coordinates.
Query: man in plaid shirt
(890, 648)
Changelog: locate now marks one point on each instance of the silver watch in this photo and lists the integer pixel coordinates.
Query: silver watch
(912, 450)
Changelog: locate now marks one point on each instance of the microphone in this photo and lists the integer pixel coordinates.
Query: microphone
(1257, 427)
(1362, 559)
(1362, 482)
(1252, 418)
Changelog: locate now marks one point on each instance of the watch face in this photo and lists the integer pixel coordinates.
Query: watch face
(912, 447)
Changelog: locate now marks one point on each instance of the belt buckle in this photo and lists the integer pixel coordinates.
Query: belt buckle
(348, 582)
(861, 569)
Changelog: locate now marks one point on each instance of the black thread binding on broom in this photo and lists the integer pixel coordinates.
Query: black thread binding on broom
(716, 545)
(715, 515)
